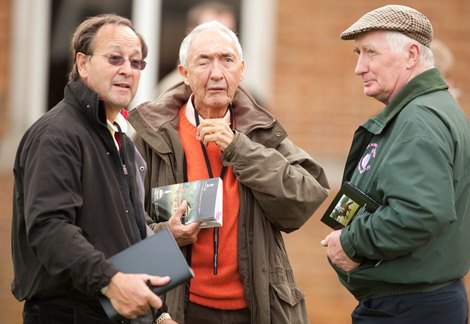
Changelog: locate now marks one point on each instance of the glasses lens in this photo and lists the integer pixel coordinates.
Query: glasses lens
(138, 64)
(116, 60)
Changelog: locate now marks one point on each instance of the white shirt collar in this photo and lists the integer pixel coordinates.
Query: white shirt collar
(121, 121)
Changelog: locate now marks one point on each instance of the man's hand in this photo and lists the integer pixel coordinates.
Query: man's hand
(130, 294)
(215, 130)
(335, 252)
(184, 234)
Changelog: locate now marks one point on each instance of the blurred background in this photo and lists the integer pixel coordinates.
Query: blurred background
(296, 65)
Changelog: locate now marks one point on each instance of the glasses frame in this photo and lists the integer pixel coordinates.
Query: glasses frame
(118, 60)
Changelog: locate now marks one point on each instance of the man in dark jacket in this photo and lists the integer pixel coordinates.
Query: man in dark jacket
(76, 195)
(405, 261)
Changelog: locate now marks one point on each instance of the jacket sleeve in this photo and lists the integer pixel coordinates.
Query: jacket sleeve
(286, 182)
(52, 173)
(416, 182)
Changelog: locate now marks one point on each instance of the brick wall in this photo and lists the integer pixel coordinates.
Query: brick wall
(5, 32)
(320, 102)
(317, 96)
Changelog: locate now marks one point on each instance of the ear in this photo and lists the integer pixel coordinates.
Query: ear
(242, 67)
(184, 73)
(81, 61)
(413, 55)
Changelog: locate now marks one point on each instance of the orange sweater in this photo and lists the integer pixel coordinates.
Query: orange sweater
(224, 290)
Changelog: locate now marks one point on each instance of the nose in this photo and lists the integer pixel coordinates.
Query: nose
(361, 65)
(125, 68)
(216, 70)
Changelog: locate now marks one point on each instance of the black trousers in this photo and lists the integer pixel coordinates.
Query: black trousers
(47, 313)
(198, 314)
(441, 306)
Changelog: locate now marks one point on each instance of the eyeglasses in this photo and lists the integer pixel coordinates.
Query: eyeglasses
(118, 60)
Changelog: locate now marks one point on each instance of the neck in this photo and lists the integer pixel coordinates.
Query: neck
(411, 75)
(111, 113)
(208, 114)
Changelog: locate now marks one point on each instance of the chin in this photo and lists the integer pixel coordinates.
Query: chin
(219, 103)
(370, 92)
(123, 100)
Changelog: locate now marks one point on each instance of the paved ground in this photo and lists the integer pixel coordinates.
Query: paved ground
(328, 302)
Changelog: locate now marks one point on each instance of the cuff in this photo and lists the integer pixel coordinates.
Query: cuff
(348, 247)
(162, 318)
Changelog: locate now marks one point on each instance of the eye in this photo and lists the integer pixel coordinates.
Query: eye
(116, 59)
(138, 64)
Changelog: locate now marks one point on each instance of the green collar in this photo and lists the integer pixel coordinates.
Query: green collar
(426, 82)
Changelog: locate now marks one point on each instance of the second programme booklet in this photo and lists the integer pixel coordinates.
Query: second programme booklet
(349, 202)
(204, 198)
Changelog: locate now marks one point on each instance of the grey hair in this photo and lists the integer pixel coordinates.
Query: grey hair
(397, 41)
(212, 25)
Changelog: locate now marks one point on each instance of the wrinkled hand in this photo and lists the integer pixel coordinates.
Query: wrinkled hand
(215, 130)
(335, 252)
(184, 234)
(130, 295)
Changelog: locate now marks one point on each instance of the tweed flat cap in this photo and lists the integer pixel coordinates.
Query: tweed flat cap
(403, 19)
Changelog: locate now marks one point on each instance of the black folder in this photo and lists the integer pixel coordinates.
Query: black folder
(157, 255)
(349, 202)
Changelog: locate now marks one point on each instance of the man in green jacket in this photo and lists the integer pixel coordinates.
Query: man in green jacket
(405, 261)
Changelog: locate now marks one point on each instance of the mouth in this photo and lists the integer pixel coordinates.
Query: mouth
(122, 85)
(216, 89)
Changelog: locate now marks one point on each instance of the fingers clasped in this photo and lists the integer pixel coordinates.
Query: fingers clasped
(216, 131)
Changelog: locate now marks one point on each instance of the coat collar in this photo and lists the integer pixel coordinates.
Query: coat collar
(165, 108)
(426, 82)
(87, 99)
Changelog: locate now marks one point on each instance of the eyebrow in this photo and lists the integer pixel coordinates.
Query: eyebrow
(208, 56)
(119, 48)
(364, 47)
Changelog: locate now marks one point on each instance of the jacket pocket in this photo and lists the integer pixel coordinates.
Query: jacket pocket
(287, 304)
(288, 293)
